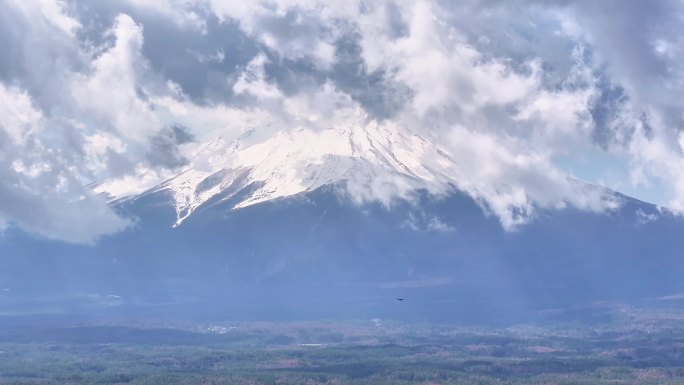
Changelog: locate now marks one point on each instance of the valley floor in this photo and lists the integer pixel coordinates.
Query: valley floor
(372, 352)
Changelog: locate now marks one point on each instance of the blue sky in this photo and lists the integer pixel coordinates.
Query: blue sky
(122, 93)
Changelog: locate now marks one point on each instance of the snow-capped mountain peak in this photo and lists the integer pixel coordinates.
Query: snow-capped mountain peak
(374, 162)
(289, 163)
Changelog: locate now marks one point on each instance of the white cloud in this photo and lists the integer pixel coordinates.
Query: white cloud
(40, 192)
(182, 12)
(502, 89)
(18, 118)
(639, 43)
(81, 108)
(111, 90)
(293, 29)
(444, 71)
(52, 12)
(252, 81)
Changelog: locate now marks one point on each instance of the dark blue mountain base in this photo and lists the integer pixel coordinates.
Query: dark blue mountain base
(319, 256)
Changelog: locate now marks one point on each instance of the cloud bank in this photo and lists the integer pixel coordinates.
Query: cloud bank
(520, 93)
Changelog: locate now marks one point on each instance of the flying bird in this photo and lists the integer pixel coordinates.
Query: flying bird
(400, 299)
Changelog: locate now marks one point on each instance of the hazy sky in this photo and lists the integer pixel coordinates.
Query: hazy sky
(123, 91)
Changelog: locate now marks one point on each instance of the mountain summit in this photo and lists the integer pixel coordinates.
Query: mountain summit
(382, 163)
(374, 163)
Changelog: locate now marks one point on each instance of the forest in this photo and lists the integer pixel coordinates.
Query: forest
(356, 352)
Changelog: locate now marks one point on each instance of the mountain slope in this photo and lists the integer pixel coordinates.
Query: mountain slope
(317, 255)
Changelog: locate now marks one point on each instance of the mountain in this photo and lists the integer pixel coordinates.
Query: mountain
(291, 163)
(337, 224)
(374, 163)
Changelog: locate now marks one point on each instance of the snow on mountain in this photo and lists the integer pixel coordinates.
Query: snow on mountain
(290, 163)
(378, 162)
